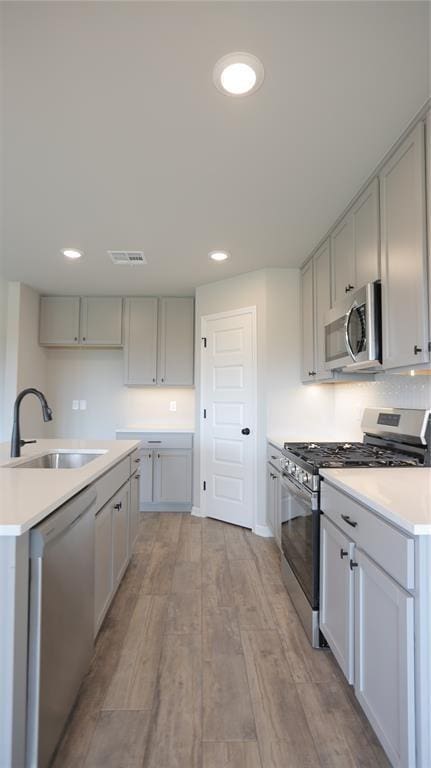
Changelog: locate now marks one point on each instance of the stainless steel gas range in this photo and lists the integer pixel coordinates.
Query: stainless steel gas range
(393, 437)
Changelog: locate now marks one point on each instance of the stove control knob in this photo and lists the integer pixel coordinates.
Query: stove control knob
(302, 476)
(291, 468)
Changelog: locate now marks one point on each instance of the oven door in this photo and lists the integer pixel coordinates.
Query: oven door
(300, 536)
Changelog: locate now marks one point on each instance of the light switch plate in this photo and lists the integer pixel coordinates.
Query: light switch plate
(75, 405)
(82, 405)
(173, 405)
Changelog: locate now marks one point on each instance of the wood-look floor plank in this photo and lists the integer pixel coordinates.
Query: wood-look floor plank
(250, 600)
(169, 527)
(157, 579)
(237, 547)
(175, 730)
(190, 541)
(217, 579)
(277, 706)
(118, 740)
(187, 577)
(133, 683)
(231, 754)
(335, 726)
(227, 711)
(221, 635)
(148, 526)
(184, 613)
(212, 536)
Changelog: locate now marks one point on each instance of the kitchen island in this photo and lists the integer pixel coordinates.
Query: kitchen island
(27, 497)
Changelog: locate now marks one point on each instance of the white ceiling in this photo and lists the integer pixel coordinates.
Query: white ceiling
(115, 137)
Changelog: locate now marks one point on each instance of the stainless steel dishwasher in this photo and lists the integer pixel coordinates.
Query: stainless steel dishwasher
(61, 621)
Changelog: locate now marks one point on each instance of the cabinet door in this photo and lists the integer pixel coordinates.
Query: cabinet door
(103, 576)
(59, 320)
(101, 321)
(336, 594)
(176, 342)
(277, 508)
(343, 259)
(404, 270)
(322, 303)
(134, 510)
(173, 476)
(307, 323)
(270, 499)
(384, 659)
(120, 534)
(146, 478)
(140, 342)
(366, 231)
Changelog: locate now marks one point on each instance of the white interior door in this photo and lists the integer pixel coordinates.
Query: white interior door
(228, 410)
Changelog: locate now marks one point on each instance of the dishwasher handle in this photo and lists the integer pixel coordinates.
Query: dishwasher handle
(60, 520)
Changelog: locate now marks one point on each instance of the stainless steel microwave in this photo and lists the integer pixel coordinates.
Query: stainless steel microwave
(353, 331)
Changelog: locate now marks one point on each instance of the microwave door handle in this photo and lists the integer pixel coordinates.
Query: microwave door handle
(346, 331)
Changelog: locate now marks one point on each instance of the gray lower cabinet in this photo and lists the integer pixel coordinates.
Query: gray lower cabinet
(120, 533)
(103, 570)
(172, 477)
(134, 509)
(384, 659)
(336, 595)
(404, 254)
(273, 520)
(368, 618)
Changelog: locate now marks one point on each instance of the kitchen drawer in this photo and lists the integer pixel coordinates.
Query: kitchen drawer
(111, 481)
(151, 440)
(386, 545)
(273, 454)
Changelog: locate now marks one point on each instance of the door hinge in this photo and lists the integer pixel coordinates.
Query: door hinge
(204, 339)
(205, 413)
(204, 485)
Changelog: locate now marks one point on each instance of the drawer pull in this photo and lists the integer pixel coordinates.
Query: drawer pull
(273, 457)
(118, 506)
(137, 477)
(343, 553)
(137, 461)
(353, 565)
(154, 441)
(347, 520)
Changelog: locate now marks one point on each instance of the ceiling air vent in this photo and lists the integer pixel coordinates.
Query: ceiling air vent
(128, 258)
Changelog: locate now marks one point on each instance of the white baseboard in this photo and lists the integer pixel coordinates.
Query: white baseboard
(196, 512)
(263, 530)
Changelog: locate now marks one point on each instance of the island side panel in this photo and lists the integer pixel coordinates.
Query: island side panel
(422, 650)
(14, 580)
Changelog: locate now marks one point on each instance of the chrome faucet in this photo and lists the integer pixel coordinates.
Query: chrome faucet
(16, 442)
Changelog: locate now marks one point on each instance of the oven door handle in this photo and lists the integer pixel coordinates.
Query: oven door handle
(297, 489)
(346, 331)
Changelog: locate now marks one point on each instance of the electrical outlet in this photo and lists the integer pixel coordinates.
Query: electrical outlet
(75, 405)
(82, 405)
(173, 405)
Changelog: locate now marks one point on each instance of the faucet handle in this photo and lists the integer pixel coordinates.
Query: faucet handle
(25, 442)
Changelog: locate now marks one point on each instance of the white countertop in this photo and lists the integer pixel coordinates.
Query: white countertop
(27, 496)
(402, 496)
(149, 429)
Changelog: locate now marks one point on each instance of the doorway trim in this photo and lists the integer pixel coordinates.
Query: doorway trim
(252, 310)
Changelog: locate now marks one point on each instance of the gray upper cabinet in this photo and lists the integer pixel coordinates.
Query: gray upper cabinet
(71, 321)
(315, 302)
(322, 303)
(307, 324)
(59, 321)
(159, 342)
(101, 321)
(176, 342)
(404, 254)
(140, 357)
(355, 245)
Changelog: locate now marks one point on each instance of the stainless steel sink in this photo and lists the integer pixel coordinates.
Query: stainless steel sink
(59, 460)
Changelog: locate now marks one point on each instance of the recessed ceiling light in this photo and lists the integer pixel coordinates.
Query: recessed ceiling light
(71, 253)
(238, 74)
(219, 255)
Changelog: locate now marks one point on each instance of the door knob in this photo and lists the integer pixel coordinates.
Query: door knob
(245, 431)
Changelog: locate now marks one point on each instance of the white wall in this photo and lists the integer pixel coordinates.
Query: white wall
(96, 375)
(25, 361)
(3, 325)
